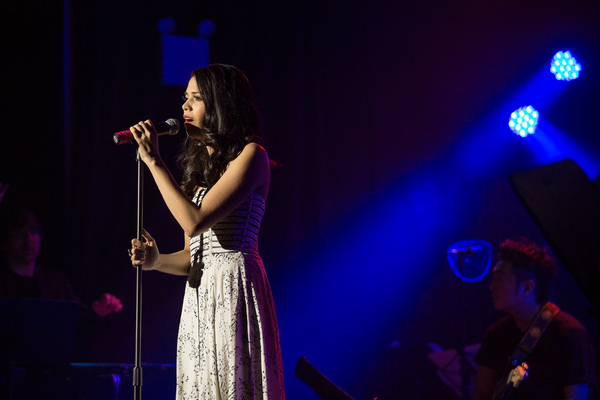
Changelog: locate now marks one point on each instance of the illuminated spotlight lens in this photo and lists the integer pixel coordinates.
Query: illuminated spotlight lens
(523, 121)
(562, 66)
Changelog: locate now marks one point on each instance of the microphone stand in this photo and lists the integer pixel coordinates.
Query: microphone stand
(137, 369)
(464, 373)
(465, 370)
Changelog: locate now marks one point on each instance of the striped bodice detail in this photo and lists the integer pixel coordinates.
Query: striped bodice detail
(236, 232)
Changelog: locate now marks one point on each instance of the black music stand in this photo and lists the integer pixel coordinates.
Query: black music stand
(35, 334)
(451, 369)
(326, 389)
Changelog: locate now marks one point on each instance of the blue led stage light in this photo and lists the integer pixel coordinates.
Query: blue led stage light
(523, 121)
(564, 66)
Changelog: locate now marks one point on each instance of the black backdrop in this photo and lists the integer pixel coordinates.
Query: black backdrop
(355, 96)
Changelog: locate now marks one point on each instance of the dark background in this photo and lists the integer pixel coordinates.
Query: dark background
(390, 121)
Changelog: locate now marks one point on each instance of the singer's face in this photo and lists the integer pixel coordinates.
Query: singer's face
(193, 110)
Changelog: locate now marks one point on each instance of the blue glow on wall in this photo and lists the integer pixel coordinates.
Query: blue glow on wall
(353, 285)
(180, 54)
(340, 298)
(550, 144)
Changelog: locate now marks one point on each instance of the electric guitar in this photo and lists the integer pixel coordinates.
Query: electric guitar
(511, 379)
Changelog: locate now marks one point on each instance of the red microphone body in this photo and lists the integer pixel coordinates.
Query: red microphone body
(169, 127)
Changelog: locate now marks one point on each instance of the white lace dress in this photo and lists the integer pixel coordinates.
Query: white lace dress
(228, 343)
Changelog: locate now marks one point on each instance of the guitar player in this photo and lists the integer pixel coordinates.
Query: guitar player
(555, 346)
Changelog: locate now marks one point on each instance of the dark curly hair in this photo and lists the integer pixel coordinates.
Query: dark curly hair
(530, 261)
(231, 121)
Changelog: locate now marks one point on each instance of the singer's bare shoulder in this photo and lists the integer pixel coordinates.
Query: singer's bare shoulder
(253, 164)
(253, 154)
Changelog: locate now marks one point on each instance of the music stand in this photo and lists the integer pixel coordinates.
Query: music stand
(450, 368)
(35, 333)
(326, 389)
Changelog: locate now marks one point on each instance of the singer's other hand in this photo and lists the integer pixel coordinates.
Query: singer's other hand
(146, 138)
(144, 254)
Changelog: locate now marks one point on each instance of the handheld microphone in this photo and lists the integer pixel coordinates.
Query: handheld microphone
(169, 127)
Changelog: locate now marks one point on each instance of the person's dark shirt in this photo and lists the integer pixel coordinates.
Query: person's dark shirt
(46, 283)
(562, 357)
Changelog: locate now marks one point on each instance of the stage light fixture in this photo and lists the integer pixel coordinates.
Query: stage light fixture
(523, 121)
(564, 66)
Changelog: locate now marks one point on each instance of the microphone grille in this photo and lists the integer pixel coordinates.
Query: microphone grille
(174, 124)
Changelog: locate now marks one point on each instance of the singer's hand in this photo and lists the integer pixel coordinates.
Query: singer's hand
(146, 138)
(144, 254)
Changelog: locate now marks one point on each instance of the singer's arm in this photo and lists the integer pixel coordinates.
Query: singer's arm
(248, 173)
(175, 263)
(148, 255)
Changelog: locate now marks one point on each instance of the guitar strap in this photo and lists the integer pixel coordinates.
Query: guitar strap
(526, 345)
(533, 334)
